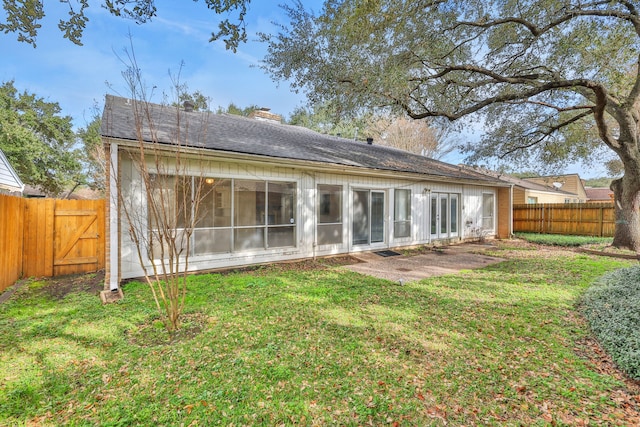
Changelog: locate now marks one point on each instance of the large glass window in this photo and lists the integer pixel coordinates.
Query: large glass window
(232, 214)
(213, 232)
(249, 214)
(487, 211)
(281, 214)
(453, 223)
(329, 214)
(402, 213)
(249, 203)
(169, 208)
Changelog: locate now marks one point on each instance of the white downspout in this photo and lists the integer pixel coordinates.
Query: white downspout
(114, 220)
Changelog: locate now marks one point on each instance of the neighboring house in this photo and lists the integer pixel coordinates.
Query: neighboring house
(33, 192)
(570, 183)
(599, 195)
(10, 182)
(281, 192)
(528, 192)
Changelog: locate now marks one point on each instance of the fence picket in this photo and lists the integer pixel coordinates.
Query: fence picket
(32, 229)
(582, 219)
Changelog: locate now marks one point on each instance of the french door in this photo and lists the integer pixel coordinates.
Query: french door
(368, 217)
(444, 214)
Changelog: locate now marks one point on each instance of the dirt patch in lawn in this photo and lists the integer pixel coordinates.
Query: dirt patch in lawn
(296, 265)
(60, 287)
(57, 287)
(153, 332)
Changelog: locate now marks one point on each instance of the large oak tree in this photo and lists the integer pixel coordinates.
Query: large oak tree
(552, 81)
(23, 17)
(39, 142)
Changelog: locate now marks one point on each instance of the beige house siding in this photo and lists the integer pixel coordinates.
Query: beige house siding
(469, 198)
(521, 196)
(570, 184)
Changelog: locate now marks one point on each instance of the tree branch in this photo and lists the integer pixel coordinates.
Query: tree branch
(631, 16)
(546, 133)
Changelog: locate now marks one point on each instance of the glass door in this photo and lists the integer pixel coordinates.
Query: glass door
(368, 217)
(377, 217)
(444, 213)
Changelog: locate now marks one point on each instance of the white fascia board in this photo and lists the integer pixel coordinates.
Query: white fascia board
(256, 159)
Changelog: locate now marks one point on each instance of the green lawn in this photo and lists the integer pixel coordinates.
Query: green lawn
(315, 346)
(564, 240)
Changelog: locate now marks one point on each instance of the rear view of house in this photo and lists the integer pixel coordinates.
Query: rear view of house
(273, 192)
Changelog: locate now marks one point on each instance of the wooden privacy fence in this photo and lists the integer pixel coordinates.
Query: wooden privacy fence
(50, 237)
(579, 219)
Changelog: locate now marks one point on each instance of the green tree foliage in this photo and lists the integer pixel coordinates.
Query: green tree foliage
(38, 141)
(420, 137)
(614, 167)
(327, 120)
(94, 155)
(199, 101)
(237, 111)
(552, 81)
(602, 182)
(23, 18)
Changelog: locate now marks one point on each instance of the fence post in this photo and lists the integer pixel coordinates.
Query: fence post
(601, 216)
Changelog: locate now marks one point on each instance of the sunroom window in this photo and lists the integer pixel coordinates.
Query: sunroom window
(402, 213)
(329, 214)
(232, 215)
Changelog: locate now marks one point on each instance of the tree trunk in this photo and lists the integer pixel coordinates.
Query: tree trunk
(626, 192)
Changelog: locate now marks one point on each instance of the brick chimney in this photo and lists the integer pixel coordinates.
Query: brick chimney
(266, 115)
(188, 106)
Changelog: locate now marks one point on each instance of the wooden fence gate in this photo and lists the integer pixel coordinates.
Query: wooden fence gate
(50, 237)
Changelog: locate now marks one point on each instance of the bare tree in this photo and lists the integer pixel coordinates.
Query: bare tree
(160, 202)
(416, 136)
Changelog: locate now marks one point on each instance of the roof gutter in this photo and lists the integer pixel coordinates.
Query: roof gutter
(308, 165)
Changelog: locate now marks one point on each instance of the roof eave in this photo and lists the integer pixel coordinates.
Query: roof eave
(306, 164)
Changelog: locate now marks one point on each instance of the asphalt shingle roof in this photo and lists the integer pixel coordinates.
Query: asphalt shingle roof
(123, 117)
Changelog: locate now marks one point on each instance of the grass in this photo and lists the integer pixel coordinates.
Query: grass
(315, 346)
(563, 240)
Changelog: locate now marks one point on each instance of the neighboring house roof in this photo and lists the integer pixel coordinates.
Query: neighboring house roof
(522, 183)
(236, 134)
(33, 192)
(9, 179)
(533, 186)
(570, 181)
(594, 194)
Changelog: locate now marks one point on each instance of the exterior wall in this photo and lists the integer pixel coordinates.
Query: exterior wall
(469, 218)
(519, 197)
(571, 184)
(505, 223)
(544, 197)
(9, 181)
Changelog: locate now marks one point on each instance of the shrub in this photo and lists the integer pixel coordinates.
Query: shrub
(562, 240)
(611, 306)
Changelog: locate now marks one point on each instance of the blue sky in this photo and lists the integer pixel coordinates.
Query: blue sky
(78, 77)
